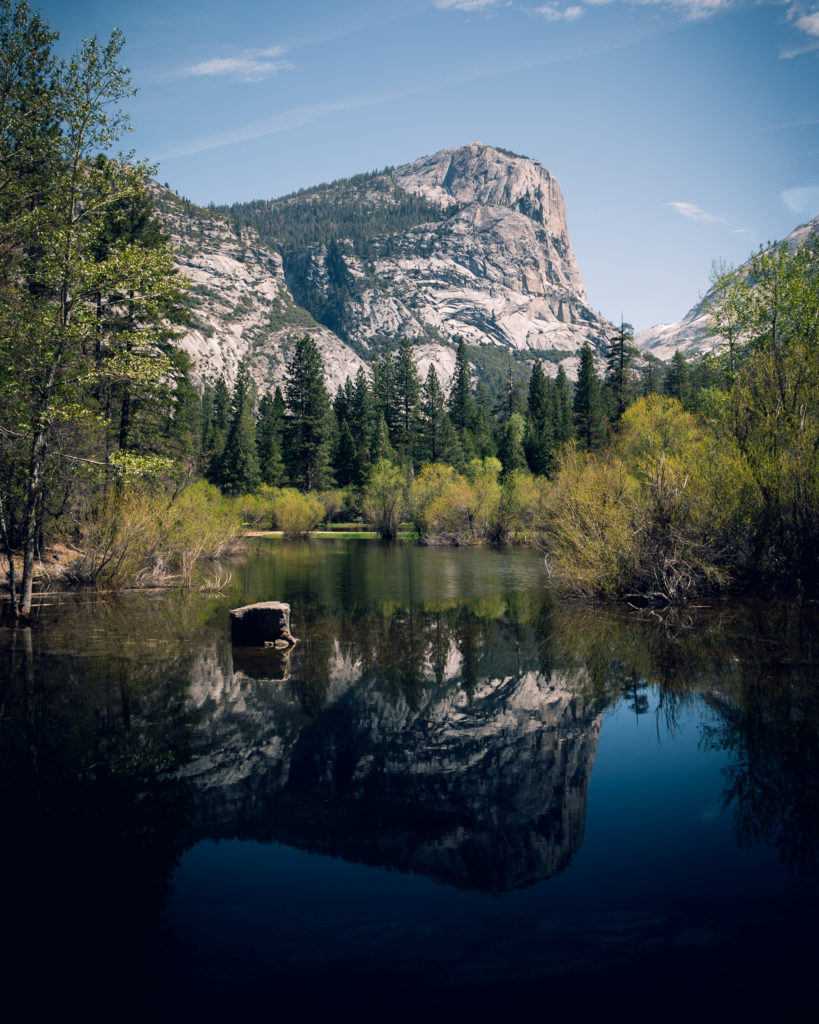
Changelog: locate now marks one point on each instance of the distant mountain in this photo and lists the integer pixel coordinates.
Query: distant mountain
(469, 242)
(690, 335)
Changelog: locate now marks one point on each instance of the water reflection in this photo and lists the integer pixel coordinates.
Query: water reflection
(441, 715)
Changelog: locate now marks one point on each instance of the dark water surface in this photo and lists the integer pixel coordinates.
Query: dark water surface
(459, 798)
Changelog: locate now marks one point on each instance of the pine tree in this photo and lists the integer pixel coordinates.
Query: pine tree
(619, 384)
(239, 464)
(513, 455)
(345, 462)
(309, 427)
(215, 427)
(383, 393)
(539, 437)
(436, 441)
(407, 392)
(461, 404)
(564, 420)
(269, 437)
(588, 402)
(678, 380)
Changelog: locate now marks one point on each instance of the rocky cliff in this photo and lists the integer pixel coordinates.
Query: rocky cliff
(691, 335)
(469, 242)
(241, 307)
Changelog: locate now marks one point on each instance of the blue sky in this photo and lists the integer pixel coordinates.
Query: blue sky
(680, 130)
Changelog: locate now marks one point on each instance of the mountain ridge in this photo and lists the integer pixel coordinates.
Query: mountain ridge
(690, 334)
(468, 242)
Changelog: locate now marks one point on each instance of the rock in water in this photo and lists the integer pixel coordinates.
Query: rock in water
(267, 622)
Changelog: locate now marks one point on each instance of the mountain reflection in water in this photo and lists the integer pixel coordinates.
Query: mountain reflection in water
(440, 716)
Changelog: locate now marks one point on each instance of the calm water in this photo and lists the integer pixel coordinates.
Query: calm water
(458, 798)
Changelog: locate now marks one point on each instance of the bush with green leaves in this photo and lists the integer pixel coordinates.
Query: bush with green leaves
(296, 514)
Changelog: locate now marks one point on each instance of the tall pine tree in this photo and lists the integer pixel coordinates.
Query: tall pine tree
(309, 421)
(239, 464)
(588, 403)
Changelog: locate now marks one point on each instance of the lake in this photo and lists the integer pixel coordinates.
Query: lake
(458, 797)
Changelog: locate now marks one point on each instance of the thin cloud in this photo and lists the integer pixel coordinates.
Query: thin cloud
(801, 200)
(806, 21)
(288, 119)
(809, 23)
(464, 5)
(252, 66)
(692, 10)
(694, 213)
(552, 12)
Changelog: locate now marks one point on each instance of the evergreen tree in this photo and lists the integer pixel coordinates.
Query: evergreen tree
(564, 419)
(539, 436)
(588, 402)
(461, 404)
(239, 464)
(383, 393)
(215, 427)
(436, 441)
(407, 391)
(360, 418)
(269, 438)
(619, 384)
(345, 462)
(483, 427)
(513, 455)
(381, 448)
(678, 380)
(309, 426)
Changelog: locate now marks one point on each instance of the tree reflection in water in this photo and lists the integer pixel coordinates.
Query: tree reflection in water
(450, 736)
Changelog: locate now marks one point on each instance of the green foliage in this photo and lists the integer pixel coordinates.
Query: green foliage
(295, 513)
(620, 382)
(309, 426)
(769, 313)
(239, 464)
(89, 290)
(589, 412)
(142, 535)
(384, 499)
(360, 209)
(653, 518)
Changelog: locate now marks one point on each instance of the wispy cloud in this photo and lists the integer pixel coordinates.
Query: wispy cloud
(801, 200)
(693, 212)
(554, 12)
(807, 21)
(293, 118)
(251, 66)
(692, 10)
(464, 5)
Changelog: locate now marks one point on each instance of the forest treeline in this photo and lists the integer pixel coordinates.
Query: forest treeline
(648, 482)
(651, 482)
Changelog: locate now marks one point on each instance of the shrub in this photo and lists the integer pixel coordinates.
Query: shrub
(384, 499)
(431, 483)
(139, 535)
(296, 514)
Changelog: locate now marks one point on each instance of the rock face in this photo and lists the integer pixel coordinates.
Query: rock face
(690, 335)
(484, 254)
(497, 268)
(241, 307)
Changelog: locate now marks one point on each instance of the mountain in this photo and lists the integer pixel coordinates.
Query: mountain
(241, 307)
(469, 242)
(690, 335)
